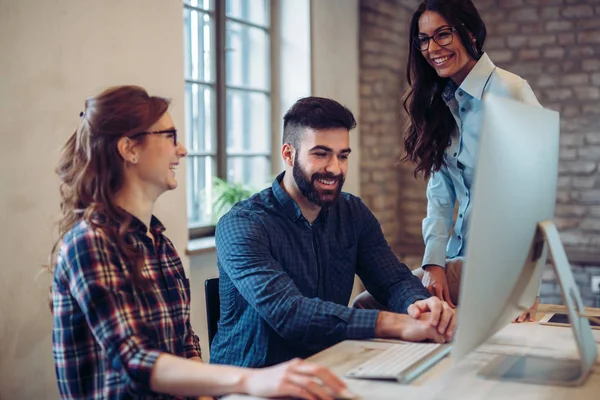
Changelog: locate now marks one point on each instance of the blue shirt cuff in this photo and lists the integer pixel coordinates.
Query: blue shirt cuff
(361, 324)
(435, 253)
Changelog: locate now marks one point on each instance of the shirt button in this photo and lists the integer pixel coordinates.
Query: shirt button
(460, 93)
(460, 216)
(455, 154)
(459, 238)
(462, 109)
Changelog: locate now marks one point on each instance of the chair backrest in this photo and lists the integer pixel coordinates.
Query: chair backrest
(213, 306)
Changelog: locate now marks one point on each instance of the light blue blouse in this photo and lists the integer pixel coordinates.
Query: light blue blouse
(453, 181)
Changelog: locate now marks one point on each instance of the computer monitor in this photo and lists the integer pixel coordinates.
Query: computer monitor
(511, 229)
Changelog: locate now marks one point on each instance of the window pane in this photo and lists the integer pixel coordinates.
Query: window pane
(247, 57)
(254, 11)
(204, 4)
(253, 172)
(200, 190)
(248, 124)
(200, 118)
(198, 41)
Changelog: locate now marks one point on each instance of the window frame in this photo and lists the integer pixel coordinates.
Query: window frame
(220, 87)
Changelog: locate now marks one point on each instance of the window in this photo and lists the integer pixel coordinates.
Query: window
(227, 100)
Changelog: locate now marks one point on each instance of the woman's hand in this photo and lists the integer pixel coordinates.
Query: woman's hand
(295, 378)
(434, 279)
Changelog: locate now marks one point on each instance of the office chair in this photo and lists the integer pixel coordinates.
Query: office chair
(213, 306)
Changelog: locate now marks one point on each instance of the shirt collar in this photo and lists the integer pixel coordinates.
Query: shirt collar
(139, 227)
(288, 204)
(477, 78)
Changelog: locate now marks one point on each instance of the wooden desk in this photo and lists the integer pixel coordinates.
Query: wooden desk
(446, 381)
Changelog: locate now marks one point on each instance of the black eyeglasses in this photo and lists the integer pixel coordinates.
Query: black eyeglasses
(442, 38)
(171, 133)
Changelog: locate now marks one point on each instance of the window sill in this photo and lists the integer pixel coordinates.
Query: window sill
(201, 246)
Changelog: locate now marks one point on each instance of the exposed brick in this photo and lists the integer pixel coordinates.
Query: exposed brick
(547, 13)
(586, 182)
(566, 223)
(495, 43)
(510, 3)
(587, 93)
(571, 139)
(577, 167)
(568, 210)
(524, 14)
(589, 37)
(559, 94)
(588, 24)
(590, 65)
(541, 40)
(568, 154)
(543, 2)
(554, 26)
(517, 40)
(595, 211)
(590, 197)
(592, 138)
(566, 38)
(557, 52)
(571, 111)
(505, 28)
(590, 153)
(581, 52)
(590, 224)
(529, 54)
(502, 56)
(581, 11)
(590, 109)
(575, 79)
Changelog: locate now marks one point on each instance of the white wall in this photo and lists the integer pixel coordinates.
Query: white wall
(335, 66)
(55, 53)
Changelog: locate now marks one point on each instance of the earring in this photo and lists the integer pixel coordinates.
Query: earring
(134, 160)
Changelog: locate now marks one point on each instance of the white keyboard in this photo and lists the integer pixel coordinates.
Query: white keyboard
(402, 362)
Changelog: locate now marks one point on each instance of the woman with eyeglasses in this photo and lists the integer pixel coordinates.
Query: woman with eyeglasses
(120, 296)
(448, 75)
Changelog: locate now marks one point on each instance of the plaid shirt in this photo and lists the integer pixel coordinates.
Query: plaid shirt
(285, 284)
(108, 334)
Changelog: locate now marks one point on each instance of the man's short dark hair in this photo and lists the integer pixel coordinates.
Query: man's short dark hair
(315, 113)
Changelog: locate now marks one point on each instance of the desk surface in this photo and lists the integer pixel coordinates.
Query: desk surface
(446, 381)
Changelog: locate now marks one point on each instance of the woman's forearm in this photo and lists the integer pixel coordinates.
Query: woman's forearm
(186, 377)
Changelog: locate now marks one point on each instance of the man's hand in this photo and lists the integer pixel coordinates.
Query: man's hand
(437, 313)
(531, 312)
(434, 279)
(402, 326)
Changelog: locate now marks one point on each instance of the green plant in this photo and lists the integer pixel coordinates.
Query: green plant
(226, 194)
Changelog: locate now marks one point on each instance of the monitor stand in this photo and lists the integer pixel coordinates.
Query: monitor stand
(545, 370)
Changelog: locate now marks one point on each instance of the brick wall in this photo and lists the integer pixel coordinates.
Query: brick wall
(555, 45)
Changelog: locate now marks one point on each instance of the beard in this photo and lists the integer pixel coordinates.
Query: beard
(306, 185)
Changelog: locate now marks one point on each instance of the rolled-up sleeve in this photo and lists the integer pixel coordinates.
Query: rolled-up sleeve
(244, 255)
(101, 289)
(438, 222)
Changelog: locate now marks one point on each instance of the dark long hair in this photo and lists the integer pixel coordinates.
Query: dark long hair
(431, 122)
(91, 169)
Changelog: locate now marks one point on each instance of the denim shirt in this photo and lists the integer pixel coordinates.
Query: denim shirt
(454, 180)
(285, 284)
